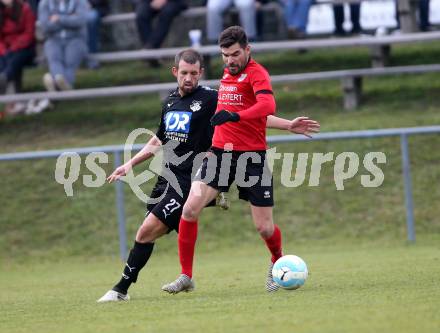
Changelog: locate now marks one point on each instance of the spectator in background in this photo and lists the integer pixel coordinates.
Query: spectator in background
(17, 42)
(99, 8)
(165, 10)
(259, 17)
(216, 8)
(423, 15)
(338, 12)
(64, 24)
(296, 14)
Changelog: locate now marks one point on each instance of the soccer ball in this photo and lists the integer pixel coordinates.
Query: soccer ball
(289, 272)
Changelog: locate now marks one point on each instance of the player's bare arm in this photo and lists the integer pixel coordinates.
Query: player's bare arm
(300, 125)
(146, 152)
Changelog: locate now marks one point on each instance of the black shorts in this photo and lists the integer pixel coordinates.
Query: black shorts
(248, 170)
(169, 209)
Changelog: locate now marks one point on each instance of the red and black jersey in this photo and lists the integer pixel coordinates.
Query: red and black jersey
(249, 93)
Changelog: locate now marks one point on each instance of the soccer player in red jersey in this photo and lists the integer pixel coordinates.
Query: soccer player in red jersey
(245, 104)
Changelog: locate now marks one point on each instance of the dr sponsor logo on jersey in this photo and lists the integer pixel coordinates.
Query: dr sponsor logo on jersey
(178, 121)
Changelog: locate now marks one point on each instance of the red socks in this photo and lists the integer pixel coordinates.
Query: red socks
(273, 243)
(187, 241)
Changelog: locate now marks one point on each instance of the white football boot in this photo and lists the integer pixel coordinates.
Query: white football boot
(222, 201)
(113, 296)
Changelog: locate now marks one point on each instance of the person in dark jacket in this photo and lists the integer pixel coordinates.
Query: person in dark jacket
(165, 11)
(98, 9)
(17, 42)
(355, 14)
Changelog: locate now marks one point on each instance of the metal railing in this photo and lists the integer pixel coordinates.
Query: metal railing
(117, 150)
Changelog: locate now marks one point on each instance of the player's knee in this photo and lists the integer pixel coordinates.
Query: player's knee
(143, 235)
(190, 212)
(265, 230)
(147, 233)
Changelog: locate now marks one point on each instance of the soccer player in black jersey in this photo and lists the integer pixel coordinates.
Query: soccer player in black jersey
(185, 119)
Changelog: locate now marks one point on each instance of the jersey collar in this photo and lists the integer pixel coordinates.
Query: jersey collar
(176, 93)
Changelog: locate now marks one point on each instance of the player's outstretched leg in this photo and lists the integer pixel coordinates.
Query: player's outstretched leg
(150, 230)
(182, 283)
(138, 257)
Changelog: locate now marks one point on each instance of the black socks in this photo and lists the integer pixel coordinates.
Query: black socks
(138, 257)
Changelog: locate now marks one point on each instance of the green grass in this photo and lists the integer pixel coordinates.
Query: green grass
(369, 287)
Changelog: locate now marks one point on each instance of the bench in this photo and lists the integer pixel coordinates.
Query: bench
(351, 83)
(122, 26)
(190, 13)
(379, 45)
(272, 13)
(198, 12)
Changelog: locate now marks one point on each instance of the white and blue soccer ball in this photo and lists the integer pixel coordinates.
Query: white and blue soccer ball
(290, 272)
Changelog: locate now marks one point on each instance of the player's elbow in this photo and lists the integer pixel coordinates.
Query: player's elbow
(271, 107)
(268, 104)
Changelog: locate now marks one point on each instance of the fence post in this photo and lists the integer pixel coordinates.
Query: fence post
(121, 210)
(408, 188)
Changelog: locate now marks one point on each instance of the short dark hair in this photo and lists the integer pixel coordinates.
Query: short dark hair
(190, 56)
(232, 35)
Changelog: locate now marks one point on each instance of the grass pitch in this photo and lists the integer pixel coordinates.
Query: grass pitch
(351, 288)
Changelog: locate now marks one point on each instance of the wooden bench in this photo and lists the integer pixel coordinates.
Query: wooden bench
(351, 83)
